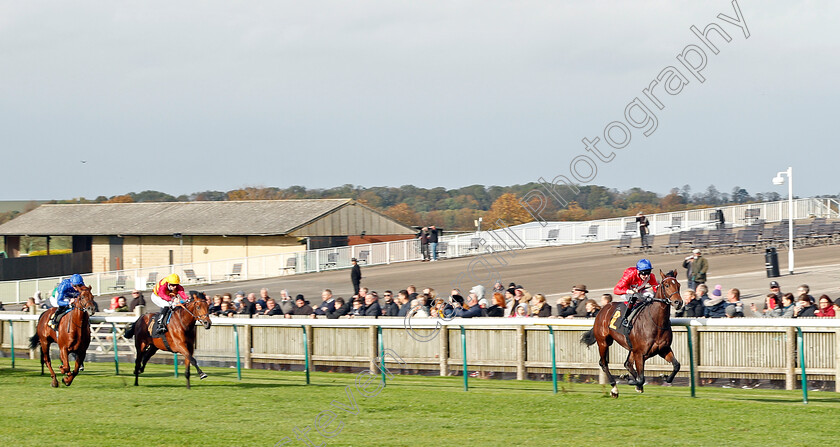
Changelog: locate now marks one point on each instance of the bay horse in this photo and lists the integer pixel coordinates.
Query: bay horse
(72, 335)
(650, 335)
(179, 337)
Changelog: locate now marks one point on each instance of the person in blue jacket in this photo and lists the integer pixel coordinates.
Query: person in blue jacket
(65, 294)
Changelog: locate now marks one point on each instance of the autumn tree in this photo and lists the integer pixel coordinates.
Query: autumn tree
(125, 198)
(573, 212)
(404, 214)
(509, 210)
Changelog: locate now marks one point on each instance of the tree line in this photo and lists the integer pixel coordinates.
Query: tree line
(457, 209)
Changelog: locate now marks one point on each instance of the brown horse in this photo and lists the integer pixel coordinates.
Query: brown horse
(72, 335)
(180, 336)
(650, 336)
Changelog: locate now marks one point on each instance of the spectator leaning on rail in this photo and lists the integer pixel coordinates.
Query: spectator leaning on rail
(579, 299)
(498, 307)
(716, 305)
(121, 305)
(804, 308)
(826, 308)
(565, 308)
(301, 307)
(692, 308)
(341, 309)
(327, 303)
(271, 308)
(167, 293)
(540, 308)
(592, 308)
(391, 308)
(372, 307)
(466, 309)
(733, 304)
(804, 290)
(772, 307)
(286, 302)
(65, 294)
(137, 299)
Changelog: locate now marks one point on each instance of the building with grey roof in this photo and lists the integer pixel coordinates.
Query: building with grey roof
(138, 235)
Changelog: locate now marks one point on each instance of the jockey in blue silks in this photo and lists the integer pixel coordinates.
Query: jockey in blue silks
(65, 295)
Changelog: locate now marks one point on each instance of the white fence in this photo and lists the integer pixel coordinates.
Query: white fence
(453, 246)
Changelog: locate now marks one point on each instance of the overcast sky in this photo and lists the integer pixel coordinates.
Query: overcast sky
(190, 96)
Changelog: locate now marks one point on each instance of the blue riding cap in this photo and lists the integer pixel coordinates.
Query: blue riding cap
(76, 280)
(644, 264)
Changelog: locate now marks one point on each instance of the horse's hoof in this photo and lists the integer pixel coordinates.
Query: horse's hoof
(613, 394)
(82, 368)
(202, 376)
(54, 384)
(640, 390)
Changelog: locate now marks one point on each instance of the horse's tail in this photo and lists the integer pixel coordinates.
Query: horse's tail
(588, 337)
(34, 341)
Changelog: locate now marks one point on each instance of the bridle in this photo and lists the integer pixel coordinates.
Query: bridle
(667, 299)
(197, 318)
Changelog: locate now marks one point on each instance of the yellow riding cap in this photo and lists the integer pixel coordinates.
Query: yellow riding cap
(173, 279)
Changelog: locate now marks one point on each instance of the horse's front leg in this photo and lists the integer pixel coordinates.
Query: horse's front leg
(640, 370)
(45, 355)
(64, 354)
(628, 363)
(669, 357)
(68, 379)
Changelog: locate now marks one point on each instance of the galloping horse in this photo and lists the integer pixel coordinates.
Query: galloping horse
(179, 337)
(72, 336)
(650, 336)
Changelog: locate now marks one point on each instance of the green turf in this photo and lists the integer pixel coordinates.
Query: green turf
(103, 409)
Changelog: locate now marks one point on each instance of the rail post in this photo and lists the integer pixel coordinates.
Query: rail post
(12, 339)
(520, 352)
(690, 332)
(175, 363)
(381, 354)
(553, 358)
(116, 354)
(238, 358)
(790, 358)
(464, 357)
(801, 341)
(444, 351)
(305, 353)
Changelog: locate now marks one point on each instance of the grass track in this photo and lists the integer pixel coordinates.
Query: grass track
(104, 410)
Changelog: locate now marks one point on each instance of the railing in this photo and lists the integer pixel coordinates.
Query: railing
(753, 348)
(459, 245)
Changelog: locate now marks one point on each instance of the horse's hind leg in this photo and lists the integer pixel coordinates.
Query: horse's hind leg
(640, 370)
(604, 351)
(65, 360)
(45, 357)
(201, 374)
(628, 363)
(669, 357)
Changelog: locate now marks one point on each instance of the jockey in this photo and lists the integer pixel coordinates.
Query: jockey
(167, 293)
(65, 294)
(634, 281)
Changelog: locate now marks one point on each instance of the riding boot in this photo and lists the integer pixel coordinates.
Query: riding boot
(58, 312)
(161, 323)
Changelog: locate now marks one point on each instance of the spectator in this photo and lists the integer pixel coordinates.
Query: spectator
(429, 292)
(579, 299)
(248, 307)
(423, 235)
(252, 298)
(363, 291)
(263, 297)
(392, 309)
(114, 303)
(420, 311)
(774, 288)
(498, 307)
(606, 299)
(592, 309)
(788, 306)
(696, 266)
(478, 291)
(259, 309)
(643, 228)
(301, 307)
(217, 304)
(837, 306)
(271, 308)
(226, 310)
(540, 308)
(715, 305)
(2, 308)
(404, 303)
(355, 275)
(466, 309)
(358, 308)
(772, 307)
(137, 299)
(733, 300)
(804, 308)
(826, 308)
(327, 303)
(521, 311)
(341, 309)
(122, 306)
(702, 294)
(804, 290)
(30, 304)
(498, 288)
(287, 304)
(692, 307)
(372, 307)
(565, 308)
(433, 241)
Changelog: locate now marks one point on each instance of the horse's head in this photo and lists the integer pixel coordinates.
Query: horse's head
(198, 307)
(85, 300)
(669, 288)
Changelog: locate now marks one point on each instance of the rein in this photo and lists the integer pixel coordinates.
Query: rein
(197, 318)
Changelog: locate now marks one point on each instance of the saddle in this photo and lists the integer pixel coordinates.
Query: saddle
(618, 321)
(57, 317)
(159, 330)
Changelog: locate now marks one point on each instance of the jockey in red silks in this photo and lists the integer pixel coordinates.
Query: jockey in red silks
(634, 281)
